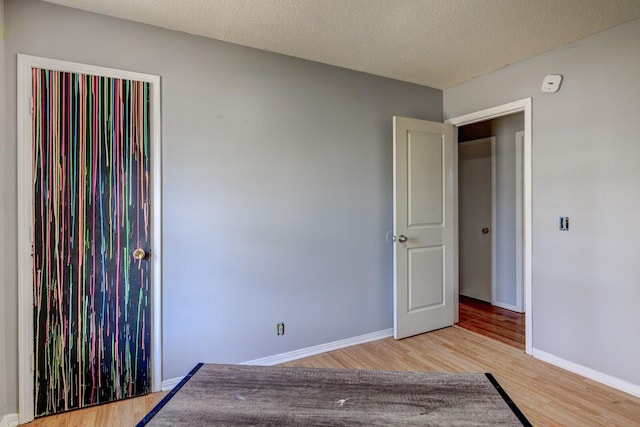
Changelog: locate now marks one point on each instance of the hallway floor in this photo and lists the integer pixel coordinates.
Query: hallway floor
(503, 325)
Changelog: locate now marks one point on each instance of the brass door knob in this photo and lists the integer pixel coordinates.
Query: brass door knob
(139, 254)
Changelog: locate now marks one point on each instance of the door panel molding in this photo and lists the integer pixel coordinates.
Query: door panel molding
(431, 146)
(524, 106)
(25, 213)
(430, 258)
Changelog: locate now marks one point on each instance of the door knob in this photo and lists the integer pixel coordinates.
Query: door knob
(402, 238)
(139, 254)
(485, 230)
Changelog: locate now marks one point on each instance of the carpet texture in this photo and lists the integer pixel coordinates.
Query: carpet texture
(237, 395)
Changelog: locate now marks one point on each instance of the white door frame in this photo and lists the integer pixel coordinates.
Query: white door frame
(519, 140)
(492, 142)
(25, 212)
(524, 106)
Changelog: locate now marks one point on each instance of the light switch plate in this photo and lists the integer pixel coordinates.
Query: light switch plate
(564, 223)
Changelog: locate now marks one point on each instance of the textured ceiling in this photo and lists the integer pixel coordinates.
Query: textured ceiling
(437, 43)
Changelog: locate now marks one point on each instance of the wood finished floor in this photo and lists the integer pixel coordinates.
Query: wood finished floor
(124, 413)
(493, 322)
(547, 395)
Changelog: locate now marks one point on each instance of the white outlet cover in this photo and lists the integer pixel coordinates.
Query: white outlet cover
(551, 83)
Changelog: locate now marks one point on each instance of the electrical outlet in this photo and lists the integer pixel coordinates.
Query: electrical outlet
(280, 328)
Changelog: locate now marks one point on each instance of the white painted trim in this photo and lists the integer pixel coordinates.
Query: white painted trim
(494, 223)
(527, 213)
(525, 106)
(25, 265)
(168, 385)
(156, 232)
(456, 230)
(302, 353)
(519, 223)
(318, 349)
(9, 420)
(4, 246)
(592, 374)
(490, 113)
(25, 204)
(505, 306)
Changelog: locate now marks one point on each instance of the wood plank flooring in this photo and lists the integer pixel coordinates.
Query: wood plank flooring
(547, 395)
(493, 322)
(124, 413)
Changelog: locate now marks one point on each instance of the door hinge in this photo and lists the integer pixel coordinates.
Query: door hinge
(33, 363)
(31, 239)
(31, 106)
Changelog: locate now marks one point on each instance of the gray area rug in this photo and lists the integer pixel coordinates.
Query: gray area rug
(237, 395)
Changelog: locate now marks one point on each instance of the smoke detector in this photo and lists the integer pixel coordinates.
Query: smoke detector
(551, 83)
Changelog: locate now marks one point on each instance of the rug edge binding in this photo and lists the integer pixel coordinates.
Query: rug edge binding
(508, 400)
(147, 418)
(301, 353)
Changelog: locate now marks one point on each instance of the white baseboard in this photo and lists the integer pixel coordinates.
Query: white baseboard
(168, 385)
(617, 383)
(299, 354)
(317, 349)
(507, 306)
(9, 420)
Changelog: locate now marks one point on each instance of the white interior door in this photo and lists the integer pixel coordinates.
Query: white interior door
(475, 200)
(423, 203)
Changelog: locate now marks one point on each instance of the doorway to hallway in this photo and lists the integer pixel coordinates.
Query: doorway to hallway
(490, 230)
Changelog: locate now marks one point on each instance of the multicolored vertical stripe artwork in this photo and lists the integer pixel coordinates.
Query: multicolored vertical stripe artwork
(91, 211)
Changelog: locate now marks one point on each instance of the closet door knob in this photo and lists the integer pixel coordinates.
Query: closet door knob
(139, 254)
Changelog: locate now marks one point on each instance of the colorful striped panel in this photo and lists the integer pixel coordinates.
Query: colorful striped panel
(91, 211)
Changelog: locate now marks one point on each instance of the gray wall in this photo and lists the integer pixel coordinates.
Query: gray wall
(585, 165)
(504, 129)
(277, 185)
(4, 321)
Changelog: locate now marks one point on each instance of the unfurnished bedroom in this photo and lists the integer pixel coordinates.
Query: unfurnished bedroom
(335, 212)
